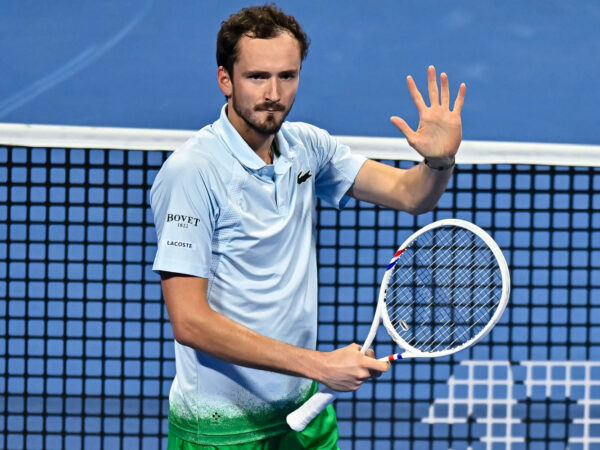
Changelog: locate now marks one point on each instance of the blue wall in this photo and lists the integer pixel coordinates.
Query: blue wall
(530, 66)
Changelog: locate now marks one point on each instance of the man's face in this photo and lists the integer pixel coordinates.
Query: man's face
(264, 84)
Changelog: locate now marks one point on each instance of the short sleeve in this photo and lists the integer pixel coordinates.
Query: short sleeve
(184, 215)
(338, 168)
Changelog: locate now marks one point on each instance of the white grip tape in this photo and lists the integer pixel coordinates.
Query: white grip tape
(297, 420)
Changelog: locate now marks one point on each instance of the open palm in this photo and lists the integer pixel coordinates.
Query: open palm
(440, 129)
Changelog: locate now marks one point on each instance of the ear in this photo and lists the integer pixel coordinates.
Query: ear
(225, 82)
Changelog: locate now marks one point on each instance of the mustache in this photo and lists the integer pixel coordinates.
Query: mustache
(271, 106)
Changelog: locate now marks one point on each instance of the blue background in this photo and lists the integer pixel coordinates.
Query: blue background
(86, 348)
(531, 67)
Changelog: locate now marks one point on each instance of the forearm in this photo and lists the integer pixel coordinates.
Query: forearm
(423, 187)
(197, 325)
(216, 335)
(415, 190)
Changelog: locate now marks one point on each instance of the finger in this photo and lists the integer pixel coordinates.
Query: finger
(460, 98)
(377, 365)
(445, 92)
(415, 94)
(375, 373)
(370, 353)
(433, 87)
(402, 126)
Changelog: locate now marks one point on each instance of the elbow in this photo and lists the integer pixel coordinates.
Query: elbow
(418, 209)
(413, 207)
(180, 335)
(415, 201)
(185, 331)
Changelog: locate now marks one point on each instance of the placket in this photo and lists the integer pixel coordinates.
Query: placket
(282, 184)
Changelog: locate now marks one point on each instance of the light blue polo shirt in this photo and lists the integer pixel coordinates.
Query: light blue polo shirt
(221, 213)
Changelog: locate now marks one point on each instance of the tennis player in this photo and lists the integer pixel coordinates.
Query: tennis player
(234, 209)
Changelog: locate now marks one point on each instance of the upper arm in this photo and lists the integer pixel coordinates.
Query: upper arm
(185, 211)
(186, 300)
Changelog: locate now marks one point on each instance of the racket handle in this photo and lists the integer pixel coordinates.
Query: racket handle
(297, 420)
(394, 357)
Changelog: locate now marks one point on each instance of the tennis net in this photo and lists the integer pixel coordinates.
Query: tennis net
(86, 349)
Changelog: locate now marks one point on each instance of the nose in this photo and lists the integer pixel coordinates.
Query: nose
(273, 94)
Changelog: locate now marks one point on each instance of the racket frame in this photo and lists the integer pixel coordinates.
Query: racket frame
(299, 418)
(382, 314)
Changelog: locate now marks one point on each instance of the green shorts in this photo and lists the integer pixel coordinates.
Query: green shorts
(321, 434)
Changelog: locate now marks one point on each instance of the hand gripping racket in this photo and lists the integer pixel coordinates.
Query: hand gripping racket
(444, 290)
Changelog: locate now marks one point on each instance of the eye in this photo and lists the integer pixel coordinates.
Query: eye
(258, 76)
(288, 76)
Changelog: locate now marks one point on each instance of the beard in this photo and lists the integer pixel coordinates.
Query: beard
(270, 125)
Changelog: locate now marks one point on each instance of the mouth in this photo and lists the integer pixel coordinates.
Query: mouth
(270, 109)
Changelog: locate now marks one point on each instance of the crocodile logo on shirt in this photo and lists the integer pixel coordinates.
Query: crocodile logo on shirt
(302, 177)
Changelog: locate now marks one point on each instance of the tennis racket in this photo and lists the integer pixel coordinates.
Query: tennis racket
(443, 291)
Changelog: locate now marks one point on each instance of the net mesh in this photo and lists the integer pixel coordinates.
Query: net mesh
(87, 350)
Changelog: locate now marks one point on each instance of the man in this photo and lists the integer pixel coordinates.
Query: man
(234, 210)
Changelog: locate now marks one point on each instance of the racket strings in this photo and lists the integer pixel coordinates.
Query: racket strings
(457, 340)
(448, 333)
(450, 255)
(444, 330)
(457, 275)
(464, 313)
(458, 282)
(444, 338)
(420, 312)
(426, 266)
(455, 282)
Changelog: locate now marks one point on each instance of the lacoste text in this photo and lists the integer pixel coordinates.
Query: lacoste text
(179, 244)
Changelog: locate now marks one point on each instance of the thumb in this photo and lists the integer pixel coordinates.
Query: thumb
(402, 126)
(377, 365)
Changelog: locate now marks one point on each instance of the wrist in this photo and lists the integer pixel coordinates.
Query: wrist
(440, 164)
(311, 364)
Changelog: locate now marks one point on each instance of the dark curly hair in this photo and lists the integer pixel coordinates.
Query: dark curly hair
(262, 22)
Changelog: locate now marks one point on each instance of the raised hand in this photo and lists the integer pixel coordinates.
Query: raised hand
(440, 129)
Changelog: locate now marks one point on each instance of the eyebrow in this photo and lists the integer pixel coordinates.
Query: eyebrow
(256, 72)
(268, 74)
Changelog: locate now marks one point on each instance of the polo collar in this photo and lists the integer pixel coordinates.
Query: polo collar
(240, 149)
